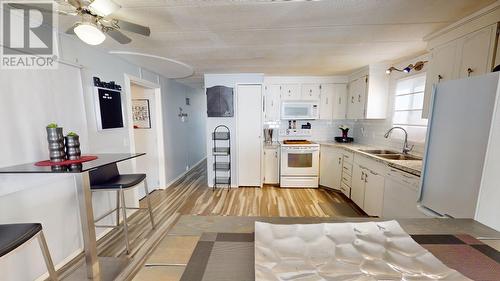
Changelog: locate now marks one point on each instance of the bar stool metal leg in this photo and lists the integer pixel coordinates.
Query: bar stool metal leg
(125, 226)
(117, 207)
(149, 204)
(46, 256)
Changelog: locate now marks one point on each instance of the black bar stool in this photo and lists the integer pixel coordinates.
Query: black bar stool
(14, 235)
(107, 178)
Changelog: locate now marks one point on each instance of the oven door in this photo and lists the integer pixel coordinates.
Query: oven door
(299, 161)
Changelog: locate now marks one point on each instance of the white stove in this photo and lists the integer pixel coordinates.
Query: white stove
(299, 164)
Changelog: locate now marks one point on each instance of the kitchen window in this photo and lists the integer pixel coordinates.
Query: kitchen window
(408, 105)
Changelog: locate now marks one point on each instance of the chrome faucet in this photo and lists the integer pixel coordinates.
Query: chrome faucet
(406, 147)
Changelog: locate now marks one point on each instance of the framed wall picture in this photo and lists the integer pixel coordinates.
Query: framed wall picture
(141, 114)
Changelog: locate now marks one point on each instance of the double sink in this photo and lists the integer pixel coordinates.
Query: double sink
(390, 155)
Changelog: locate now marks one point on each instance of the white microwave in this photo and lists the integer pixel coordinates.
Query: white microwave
(299, 110)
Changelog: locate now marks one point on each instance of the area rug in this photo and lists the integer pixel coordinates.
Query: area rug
(230, 257)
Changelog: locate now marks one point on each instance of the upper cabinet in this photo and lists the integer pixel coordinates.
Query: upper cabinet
(368, 93)
(310, 91)
(470, 55)
(290, 92)
(272, 103)
(328, 92)
(333, 101)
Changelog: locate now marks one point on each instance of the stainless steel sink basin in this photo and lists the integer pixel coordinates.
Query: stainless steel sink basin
(379, 151)
(398, 157)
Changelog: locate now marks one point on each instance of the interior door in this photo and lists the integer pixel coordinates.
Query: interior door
(249, 141)
(146, 140)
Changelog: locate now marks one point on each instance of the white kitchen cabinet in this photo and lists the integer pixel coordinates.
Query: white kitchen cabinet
(310, 91)
(272, 103)
(476, 57)
(330, 167)
(271, 165)
(374, 193)
(290, 92)
(472, 54)
(358, 185)
(326, 102)
(339, 101)
(401, 195)
(333, 99)
(367, 191)
(357, 98)
(441, 68)
(368, 93)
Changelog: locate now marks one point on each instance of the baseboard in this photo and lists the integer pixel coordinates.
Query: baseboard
(184, 173)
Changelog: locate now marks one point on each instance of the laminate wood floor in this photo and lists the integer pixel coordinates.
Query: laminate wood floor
(190, 195)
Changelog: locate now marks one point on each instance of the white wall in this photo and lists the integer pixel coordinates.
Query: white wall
(27, 102)
(372, 131)
(228, 80)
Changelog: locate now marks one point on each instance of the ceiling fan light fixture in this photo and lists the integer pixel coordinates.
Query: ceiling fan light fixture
(103, 8)
(89, 33)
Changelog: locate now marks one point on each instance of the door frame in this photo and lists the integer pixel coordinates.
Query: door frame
(130, 79)
(238, 130)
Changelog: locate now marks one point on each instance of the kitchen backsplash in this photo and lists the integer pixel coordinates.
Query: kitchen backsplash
(369, 132)
(321, 130)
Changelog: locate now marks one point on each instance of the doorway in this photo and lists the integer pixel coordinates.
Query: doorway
(146, 133)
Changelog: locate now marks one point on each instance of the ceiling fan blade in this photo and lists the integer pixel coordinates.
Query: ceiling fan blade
(118, 36)
(74, 3)
(71, 30)
(132, 27)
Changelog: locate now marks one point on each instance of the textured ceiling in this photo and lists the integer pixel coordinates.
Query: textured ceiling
(285, 38)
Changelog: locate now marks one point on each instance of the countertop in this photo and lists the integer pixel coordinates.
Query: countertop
(413, 167)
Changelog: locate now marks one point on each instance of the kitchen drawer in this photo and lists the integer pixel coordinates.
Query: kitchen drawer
(345, 189)
(347, 168)
(346, 179)
(348, 157)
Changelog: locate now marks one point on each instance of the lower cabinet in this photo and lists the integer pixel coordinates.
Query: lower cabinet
(368, 180)
(358, 185)
(330, 167)
(374, 193)
(271, 165)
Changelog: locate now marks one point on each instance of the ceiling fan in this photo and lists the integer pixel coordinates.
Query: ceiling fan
(96, 22)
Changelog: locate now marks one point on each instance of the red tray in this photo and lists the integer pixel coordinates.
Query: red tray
(84, 158)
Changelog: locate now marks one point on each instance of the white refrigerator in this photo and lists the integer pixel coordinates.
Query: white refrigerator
(461, 169)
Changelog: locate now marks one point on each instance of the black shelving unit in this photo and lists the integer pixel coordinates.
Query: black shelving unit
(221, 137)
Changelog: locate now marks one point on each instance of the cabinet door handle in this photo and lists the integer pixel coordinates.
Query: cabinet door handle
(359, 98)
(362, 174)
(276, 154)
(340, 160)
(469, 71)
(440, 77)
(366, 178)
(352, 99)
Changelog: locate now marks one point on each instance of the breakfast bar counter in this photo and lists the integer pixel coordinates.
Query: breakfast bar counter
(82, 182)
